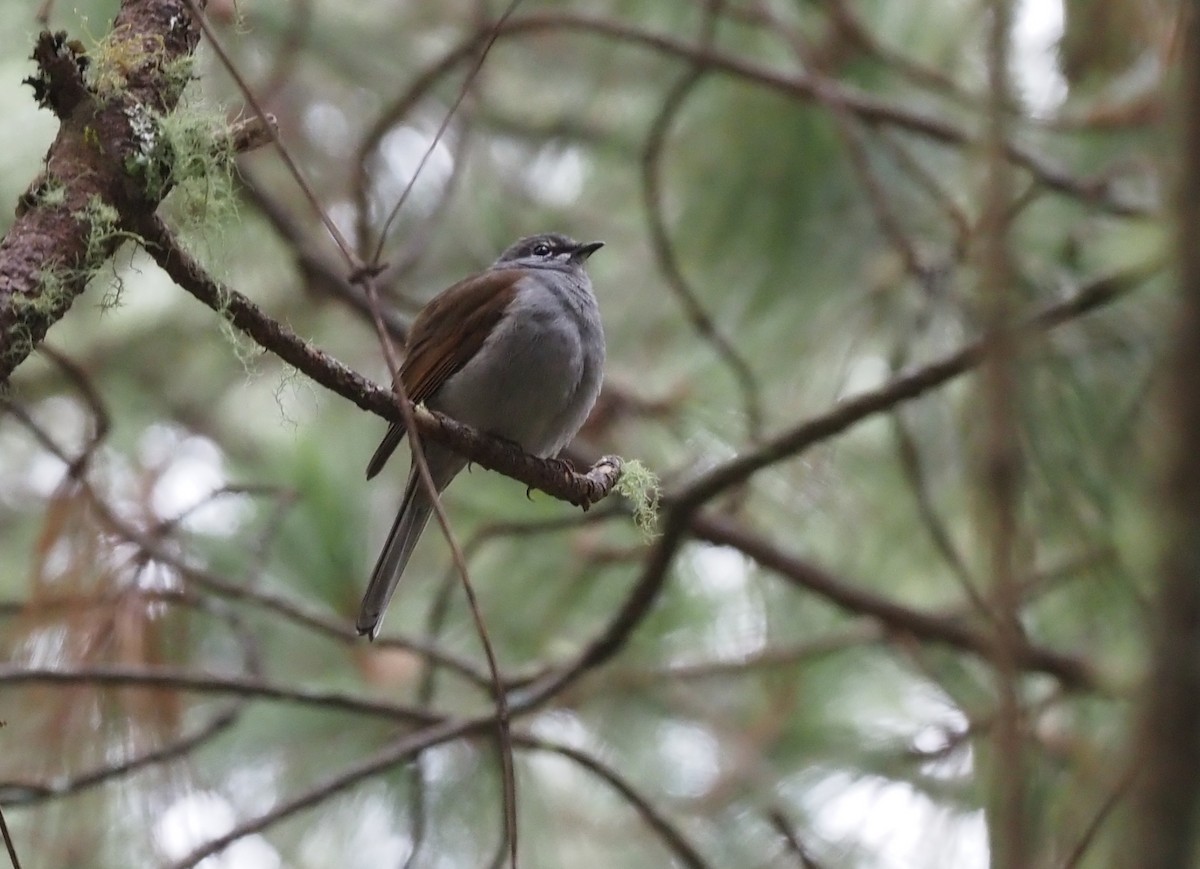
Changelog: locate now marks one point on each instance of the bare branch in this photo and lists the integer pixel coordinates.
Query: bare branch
(211, 683)
(549, 476)
(8, 842)
(781, 823)
(16, 793)
(683, 505)
(869, 109)
(900, 389)
(671, 837)
(398, 752)
(664, 250)
(1073, 672)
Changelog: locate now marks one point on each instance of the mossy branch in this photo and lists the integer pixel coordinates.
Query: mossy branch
(122, 146)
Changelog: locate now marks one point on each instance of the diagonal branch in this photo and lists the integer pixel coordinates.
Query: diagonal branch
(1073, 672)
(8, 843)
(549, 476)
(905, 387)
(29, 793)
(664, 249)
(672, 837)
(398, 752)
(683, 505)
(870, 109)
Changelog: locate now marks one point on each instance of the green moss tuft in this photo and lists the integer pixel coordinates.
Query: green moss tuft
(51, 194)
(101, 219)
(185, 155)
(641, 486)
(202, 166)
(115, 57)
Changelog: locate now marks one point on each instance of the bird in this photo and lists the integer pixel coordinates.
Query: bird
(516, 351)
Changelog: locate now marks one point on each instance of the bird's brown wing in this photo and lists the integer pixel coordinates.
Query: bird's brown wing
(446, 334)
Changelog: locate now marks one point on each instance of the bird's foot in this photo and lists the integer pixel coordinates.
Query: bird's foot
(563, 464)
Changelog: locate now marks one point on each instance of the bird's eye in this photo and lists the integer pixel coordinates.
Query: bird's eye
(541, 249)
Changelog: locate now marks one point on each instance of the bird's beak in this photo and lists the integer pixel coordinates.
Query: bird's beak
(586, 250)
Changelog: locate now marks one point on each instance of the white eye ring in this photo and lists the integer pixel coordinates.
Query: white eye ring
(541, 249)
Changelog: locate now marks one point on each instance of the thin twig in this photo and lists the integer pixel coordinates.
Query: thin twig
(1072, 671)
(927, 181)
(400, 751)
(664, 249)
(212, 683)
(1088, 837)
(417, 240)
(784, 827)
(102, 422)
(441, 131)
(913, 466)
(8, 842)
(508, 773)
(665, 830)
(26, 793)
(420, 465)
(870, 109)
(288, 161)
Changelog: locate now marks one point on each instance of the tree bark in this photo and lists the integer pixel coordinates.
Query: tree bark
(1167, 749)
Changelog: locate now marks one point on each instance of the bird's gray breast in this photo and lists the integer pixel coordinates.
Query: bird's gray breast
(538, 374)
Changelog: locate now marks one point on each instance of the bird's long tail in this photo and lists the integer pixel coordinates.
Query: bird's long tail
(410, 521)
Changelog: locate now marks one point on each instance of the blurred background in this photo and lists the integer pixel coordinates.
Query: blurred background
(794, 197)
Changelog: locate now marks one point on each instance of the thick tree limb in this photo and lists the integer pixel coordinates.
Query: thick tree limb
(66, 227)
(1166, 741)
